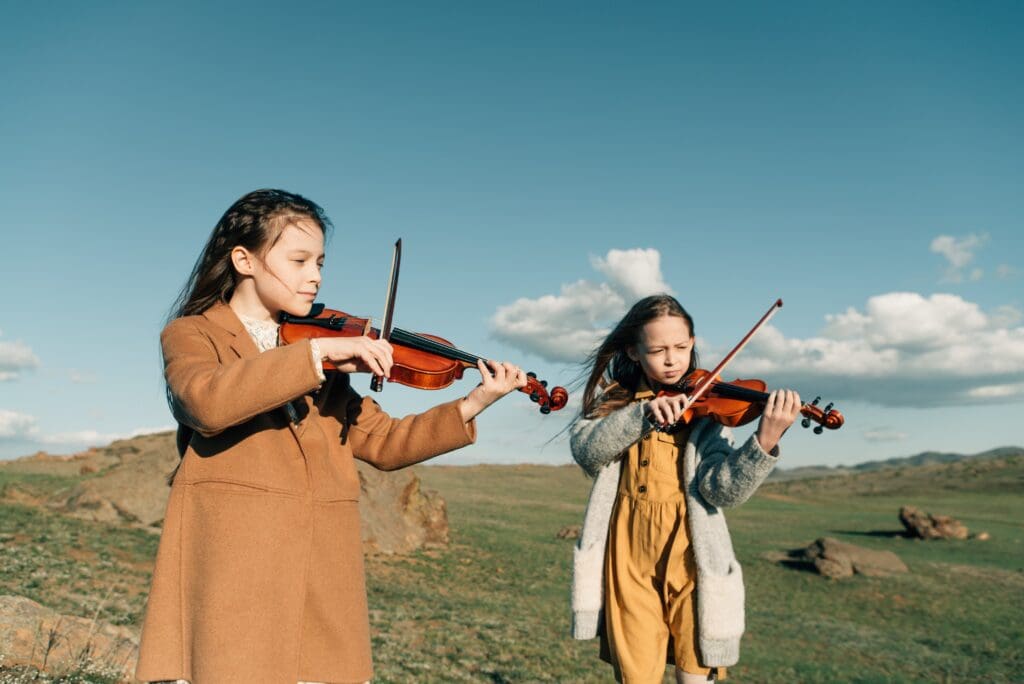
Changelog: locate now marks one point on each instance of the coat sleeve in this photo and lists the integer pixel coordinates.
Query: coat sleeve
(596, 442)
(210, 396)
(729, 476)
(390, 443)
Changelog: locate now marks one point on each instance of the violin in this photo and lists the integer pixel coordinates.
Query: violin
(742, 401)
(421, 361)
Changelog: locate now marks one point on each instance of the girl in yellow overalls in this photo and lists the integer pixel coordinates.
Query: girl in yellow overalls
(654, 570)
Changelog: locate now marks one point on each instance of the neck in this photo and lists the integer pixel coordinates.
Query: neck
(245, 302)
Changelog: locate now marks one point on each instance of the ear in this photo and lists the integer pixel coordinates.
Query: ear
(632, 353)
(243, 261)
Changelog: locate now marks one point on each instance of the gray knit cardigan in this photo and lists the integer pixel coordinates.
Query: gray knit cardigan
(716, 476)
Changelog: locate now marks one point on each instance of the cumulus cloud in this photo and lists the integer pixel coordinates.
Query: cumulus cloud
(15, 357)
(901, 349)
(959, 253)
(15, 426)
(22, 427)
(569, 325)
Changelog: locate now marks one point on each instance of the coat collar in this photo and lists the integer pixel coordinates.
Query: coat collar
(222, 315)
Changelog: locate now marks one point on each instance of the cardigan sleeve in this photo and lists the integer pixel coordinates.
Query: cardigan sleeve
(729, 476)
(390, 443)
(210, 396)
(596, 442)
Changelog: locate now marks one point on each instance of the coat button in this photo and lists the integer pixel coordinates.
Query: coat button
(647, 436)
(642, 488)
(644, 462)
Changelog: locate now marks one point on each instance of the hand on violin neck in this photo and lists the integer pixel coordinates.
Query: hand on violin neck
(497, 380)
(665, 410)
(357, 354)
(780, 410)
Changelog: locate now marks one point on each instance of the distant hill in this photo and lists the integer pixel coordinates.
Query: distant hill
(922, 459)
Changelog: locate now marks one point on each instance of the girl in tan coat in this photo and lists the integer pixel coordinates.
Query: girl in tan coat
(259, 574)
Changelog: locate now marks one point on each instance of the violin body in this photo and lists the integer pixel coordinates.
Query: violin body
(421, 361)
(742, 401)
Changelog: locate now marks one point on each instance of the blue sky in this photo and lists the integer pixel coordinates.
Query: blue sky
(545, 164)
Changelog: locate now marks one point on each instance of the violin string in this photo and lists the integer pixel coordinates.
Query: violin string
(428, 345)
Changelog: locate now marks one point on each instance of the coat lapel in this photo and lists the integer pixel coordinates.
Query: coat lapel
(224, 317)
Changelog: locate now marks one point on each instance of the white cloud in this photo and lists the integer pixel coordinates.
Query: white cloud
(902, 349)
(1005, 271)
(635, 273)
(15, 357)
(884, 434)
(22, 427)
(959, 253)
(569, 325)
(16, 426)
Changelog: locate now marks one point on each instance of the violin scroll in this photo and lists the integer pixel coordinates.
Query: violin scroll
(826, 417)
(538, 392)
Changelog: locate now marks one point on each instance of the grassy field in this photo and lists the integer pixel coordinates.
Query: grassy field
(493, 607)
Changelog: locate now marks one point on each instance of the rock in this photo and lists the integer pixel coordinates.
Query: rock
(31, 634)
(397, 515)
(569, 532)
(132, 491)
(924, 526)
(982, 536)
(833, 558)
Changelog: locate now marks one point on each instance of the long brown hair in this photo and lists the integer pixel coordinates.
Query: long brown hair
(255, 221)
(614, 377)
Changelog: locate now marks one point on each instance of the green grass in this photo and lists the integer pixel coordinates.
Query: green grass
(494, 607)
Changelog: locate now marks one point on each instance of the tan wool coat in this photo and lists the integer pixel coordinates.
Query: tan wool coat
(259, 574)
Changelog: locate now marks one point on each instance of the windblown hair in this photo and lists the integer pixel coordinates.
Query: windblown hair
(255, 222)
(614, 377)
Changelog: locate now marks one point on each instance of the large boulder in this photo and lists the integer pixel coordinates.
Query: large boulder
(33, 635)
(833, 558)
(926, 526)
(397, 515)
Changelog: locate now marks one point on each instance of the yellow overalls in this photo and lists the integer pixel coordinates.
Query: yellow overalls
(650, 606)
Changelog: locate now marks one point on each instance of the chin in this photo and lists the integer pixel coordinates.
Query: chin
(299, 309)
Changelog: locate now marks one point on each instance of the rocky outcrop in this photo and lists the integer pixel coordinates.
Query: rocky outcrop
(33, 635)
(398, 516)
(926, 526)
(130, 487)
(833, 558)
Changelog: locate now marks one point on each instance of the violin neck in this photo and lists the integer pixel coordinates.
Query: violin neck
(426, 344)
(727, 391)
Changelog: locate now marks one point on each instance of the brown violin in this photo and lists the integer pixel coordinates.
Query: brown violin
(421, 361)
(742, 401)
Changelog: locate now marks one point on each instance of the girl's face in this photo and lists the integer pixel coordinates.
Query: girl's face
(664, 350)
(287, 277)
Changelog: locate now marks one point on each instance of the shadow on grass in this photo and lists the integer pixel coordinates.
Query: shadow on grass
(874, 533)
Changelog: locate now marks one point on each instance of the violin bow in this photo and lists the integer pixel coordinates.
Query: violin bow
(377, 384)
(709, 380)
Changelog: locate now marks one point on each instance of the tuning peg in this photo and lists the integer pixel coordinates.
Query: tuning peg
(544, 383)
(531, 374)
(545, 409)
(534, 397)
(818, 430)
(816, 400)
(828, 408)
(806, 422)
